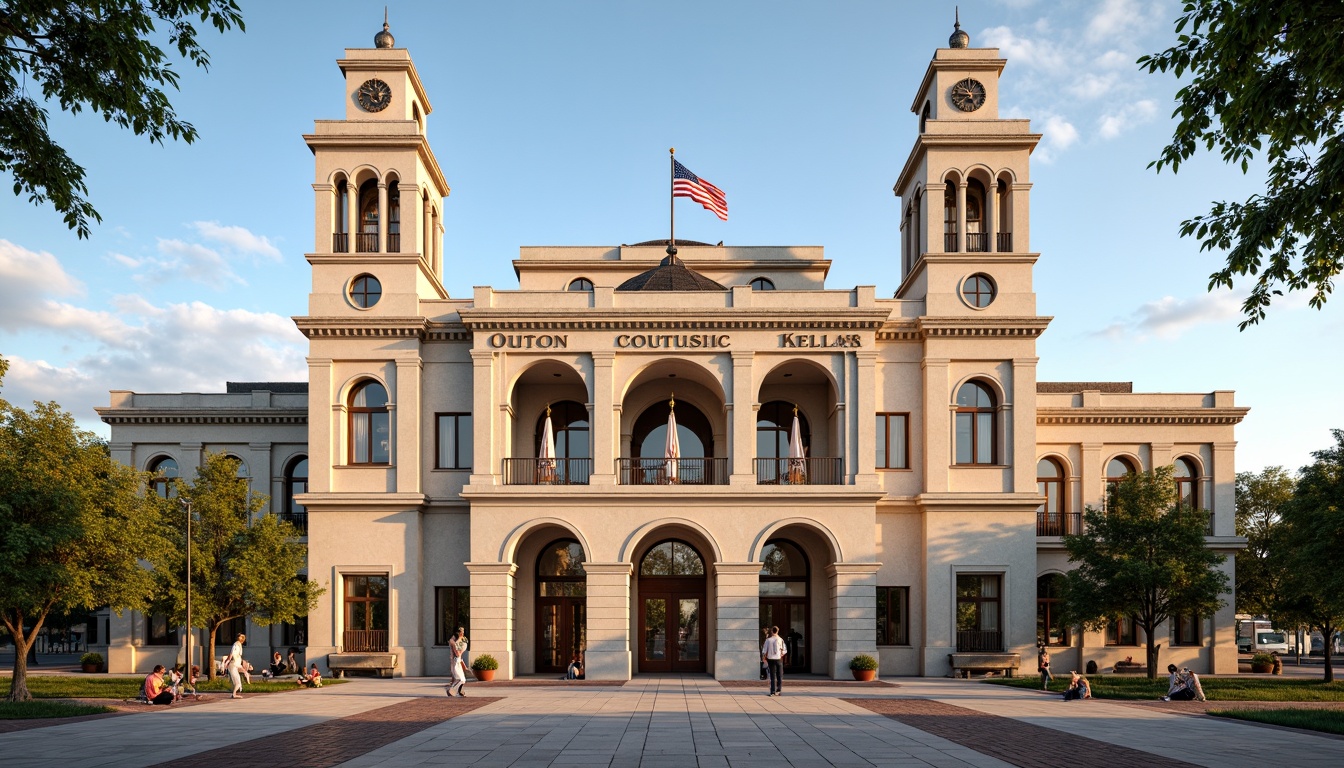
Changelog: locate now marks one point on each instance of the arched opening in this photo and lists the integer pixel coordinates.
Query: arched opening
(394, 217)
(784, 600)
(650, 463)
(976, 424)
(762, 284)
(1117, 469)
(671, 608)
(580, 284)
(924, 117)
(165, 474)
(562, 605)
(370, 425)
(774, 433)
(340, 238)
(1050, 626)
(296, 482)
(570, 440)
(950, 217)
(1003, 218)
(1052, 517)
(1186, 475)
(367, 239)
(976, 238)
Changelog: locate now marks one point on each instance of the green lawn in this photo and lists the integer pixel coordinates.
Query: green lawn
(1215, 688)
(100, 687)
(32, 710)
(1324, 720)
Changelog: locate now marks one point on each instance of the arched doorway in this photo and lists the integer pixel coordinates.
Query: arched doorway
(784, 600)
(671, 607)
(562, 605)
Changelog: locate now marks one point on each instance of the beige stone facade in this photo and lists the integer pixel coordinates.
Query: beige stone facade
(914, 528)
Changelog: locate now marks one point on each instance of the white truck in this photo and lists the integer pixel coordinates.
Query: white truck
(1260, 636)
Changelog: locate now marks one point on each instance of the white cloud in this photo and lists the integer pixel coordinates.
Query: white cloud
(1113, 124)
(192, 261)
(1038, 54)
(1169, 317)
(1057, 135)
(1121, 20)
(237, 239)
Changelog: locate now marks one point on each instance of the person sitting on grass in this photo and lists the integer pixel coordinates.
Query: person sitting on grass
(311, 680)
(1079, 688)
(156, 691)
(276, 669)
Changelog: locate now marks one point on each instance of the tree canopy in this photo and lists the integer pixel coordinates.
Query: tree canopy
(74, 526)
(1265, 78)
(1144, 558)
(1260, 500)
(95, 55)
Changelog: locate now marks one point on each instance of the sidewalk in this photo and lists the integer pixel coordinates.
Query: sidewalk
(656, 722)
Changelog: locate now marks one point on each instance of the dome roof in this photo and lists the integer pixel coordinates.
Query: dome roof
(670, 275)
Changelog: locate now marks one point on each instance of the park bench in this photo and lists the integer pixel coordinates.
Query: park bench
(963, 664)
(381, 663)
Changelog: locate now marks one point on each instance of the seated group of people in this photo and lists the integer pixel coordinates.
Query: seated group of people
(1183, 685)
(164, 687)
(1078, 688)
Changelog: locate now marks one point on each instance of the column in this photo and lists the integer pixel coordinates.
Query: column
(1222, 498)
(352, 215)
(853, 598)
(1093, 477)
(737, 642)
(864, 462)
(492, 597)
(743, 432)
(1021, 222)
(606, 419)
(407, 443)
(608, 654)
(1223, 638)
(259, 476)
(992, 216)
(483, 464)
(324, 213)
(961, 216)
(382, 216)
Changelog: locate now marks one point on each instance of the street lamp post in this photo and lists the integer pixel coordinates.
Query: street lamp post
(187, 503)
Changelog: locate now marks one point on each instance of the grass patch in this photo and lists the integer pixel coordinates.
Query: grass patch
(1323, 720)
(1125, 687)
(97, 687)
(34, 710)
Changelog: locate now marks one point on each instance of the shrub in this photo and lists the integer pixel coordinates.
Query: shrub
(863, 662)
(1263, 658)
(91, 658)
(483, 662)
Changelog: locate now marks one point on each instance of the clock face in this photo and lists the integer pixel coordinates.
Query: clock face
(374, 95)
(968, 95)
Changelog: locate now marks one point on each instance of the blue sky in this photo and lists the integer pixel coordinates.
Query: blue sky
(552, 123)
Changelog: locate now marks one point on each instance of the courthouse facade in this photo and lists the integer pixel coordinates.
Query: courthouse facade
(501, 460)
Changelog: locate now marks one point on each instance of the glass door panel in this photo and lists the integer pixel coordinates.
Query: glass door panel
(548, 621)
(688, 631)
(655, 629)
(795, 637)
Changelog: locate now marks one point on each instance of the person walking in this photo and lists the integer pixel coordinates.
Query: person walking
(1043, 664)
(459, 680)
(462, 644)
(773, 651)
(235, 666)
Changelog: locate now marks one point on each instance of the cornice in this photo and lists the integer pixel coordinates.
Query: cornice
(127, 416)
(728, 318)
(362, 327)
(1141, 416)
(417, 141)
(1020, 327)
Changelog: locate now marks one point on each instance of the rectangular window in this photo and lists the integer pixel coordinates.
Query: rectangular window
(366, 614)
(454, 441)
(1187, 629)
(452, 609)
(295, 634)
(978, 600)
(229, 631)
(157, 631)
(893, 441)
(893, 611)
(1121, 632)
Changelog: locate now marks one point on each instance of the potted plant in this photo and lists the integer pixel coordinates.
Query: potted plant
(483, 667)
(863, 667)
(91, 662)
(1262, 663)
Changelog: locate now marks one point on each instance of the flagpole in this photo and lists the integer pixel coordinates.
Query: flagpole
(672, 201)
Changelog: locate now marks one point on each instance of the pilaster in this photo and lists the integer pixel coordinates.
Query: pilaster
(382, 216)
(1024, 424)
(406, 450)
(737, 650)
(606, 419)
(483, 463)
(608, 654)
(853, 588)
(1223, 500)
(864, 459)
(743, 435)
(492, 604)
(937, 442)
(1093, 476)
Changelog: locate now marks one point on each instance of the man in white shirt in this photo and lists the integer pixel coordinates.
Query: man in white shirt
(235, 666)
(772, 653)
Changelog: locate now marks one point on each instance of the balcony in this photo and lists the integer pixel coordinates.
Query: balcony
(977, 242)
(1005, 242)
(809, 471)
(340, 242)
(673, 471)
(979, 640)
(297, 519)
(949, 242)
(366, 242)
(364, 641)
(1058, 524)
(394, 242)
(547, 471)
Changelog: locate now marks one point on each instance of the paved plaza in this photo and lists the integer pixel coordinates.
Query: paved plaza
(664, 722)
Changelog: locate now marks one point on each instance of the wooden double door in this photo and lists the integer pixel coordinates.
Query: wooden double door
(671, 624)
(562, 625)
(791, 616)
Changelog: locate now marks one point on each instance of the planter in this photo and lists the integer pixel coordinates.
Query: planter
(864, 675)
(1262, 668)
(91, 667)
(484, 675)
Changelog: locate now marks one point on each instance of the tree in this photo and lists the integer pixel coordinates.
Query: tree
(1260, 498)
(1307, 552)
(244, 563)
(1265, 77)
(97, 56)
(74, 525)
(1143, 558)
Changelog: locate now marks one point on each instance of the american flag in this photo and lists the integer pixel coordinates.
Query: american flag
(687, 184)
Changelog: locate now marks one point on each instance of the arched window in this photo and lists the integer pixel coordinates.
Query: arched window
(1117, 469)
(580, 284)
(762, 284)
(1050, 516)
(394, 217)
(924, 117)
(340, 241)
(367, 239)
(950, 218)
(296, 482)
(976, 240)
(562, 605)
(694, 434)
(561, 563)
(774, 421)
(165, 473)
(1050, 627)
(976, 433)
(569, 426)
(672, 558)
(370, 425)
(784, 570)
(240, 468)
(1002, 221)
(1187, 483)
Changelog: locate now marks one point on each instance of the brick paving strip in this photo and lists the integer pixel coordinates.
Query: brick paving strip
(1013, 741)
(336, 741)
(825, 682)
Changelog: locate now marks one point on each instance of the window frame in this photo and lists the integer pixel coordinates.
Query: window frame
(979, 600)
(887, 632)
(460, 599)
(884, 420)
(170, 635)
(353, 412)
(972, 297)
(293, 480)
(1187, 487)
(1046, 609)
(580, 285)
(766, 284)
(974, 413)
(1187, 630)
(1112, 481)
(1122, 632)
(161, 483)
(456, 417)
(348, 599)
(360, 295)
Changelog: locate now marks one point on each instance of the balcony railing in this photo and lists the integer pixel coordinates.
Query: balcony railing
(809, 471)
(1005, 242)
(673, 471)
(340, 242)
(297, 519)
(366, 242)
(949, 242)
(977, 242)
(547, 471)
(394, 242)
(976, 640)
(1058, 524)
(364, 641)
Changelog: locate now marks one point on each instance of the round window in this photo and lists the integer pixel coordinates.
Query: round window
(365, 291)
(978, 291)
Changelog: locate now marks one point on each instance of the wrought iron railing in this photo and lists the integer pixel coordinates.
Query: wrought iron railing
(394, 242)
(949, 242)
(340, 242)
(1005, 242)
(673, 471)
(297, 519)
(547, 471)
(1058, 523)
(977, 242)
(364, 641)
(826, 470)
(366, 242)
(976, 640)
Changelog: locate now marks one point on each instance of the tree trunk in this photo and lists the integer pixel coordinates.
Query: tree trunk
(18, 684)
(210, 660)
(1328, 635)
(1152, 651)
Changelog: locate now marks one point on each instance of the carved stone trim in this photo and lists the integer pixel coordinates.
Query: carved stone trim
(1183, 416)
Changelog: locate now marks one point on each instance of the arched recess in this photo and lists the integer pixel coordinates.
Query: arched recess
(393, 213)
(534, 387)
(1188, 475)
(524, 547)
(1003, 212)
(801, 607)
(561, 605)
(165, 473)
(1118, 467)
(702, 424)
(1053, 517)
(813, 389)
(1050, 627)
(672, 606)
(978, 430)
(979, 214)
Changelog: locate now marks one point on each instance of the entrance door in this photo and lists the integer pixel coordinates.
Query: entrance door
(790, 615)
(784, 600)
(671, 609)
(562, 605)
